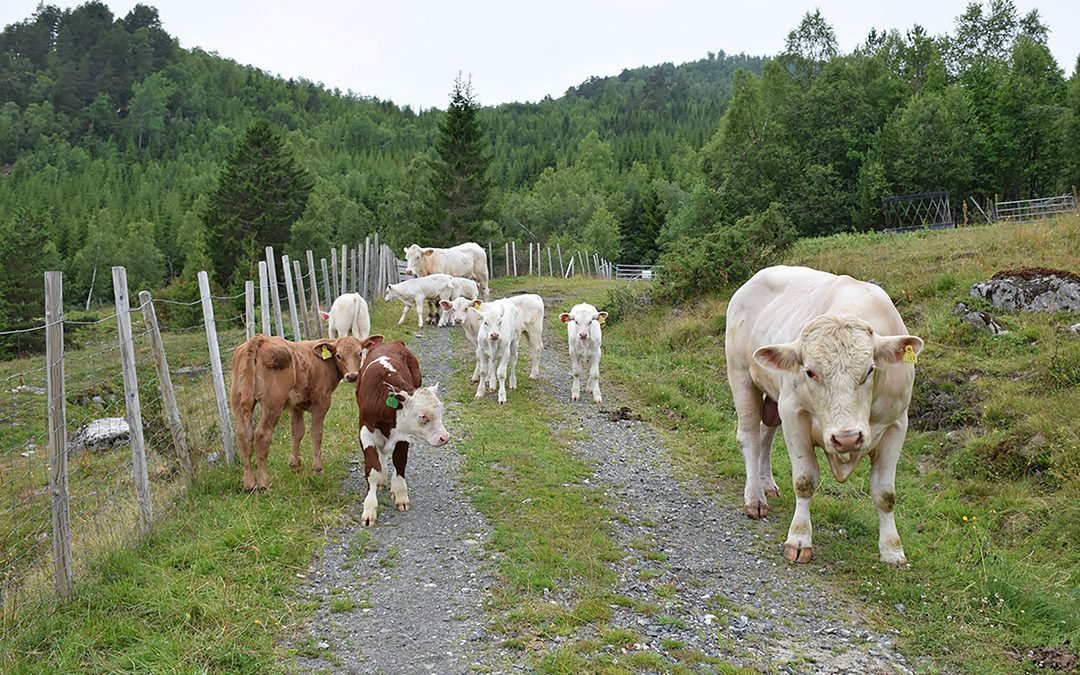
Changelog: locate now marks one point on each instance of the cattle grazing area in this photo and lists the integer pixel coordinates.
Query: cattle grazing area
(561, 536)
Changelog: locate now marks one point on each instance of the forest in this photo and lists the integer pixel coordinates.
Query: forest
(116, 144)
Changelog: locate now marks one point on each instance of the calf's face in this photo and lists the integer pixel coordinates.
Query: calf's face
(420, 416)
(491, 318)
(348, 353)
(458, 309)
(579, 320)
(831, 370)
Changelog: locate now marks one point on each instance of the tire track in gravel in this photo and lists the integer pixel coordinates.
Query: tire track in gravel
(406, 596)
(718, 579)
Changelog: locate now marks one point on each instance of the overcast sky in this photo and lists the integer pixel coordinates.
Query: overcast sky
(410, 51)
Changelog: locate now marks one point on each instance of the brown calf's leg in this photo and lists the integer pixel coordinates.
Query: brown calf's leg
(245, 434)
(296, 420)
(399, 489)
(318, 416)
(264, 433)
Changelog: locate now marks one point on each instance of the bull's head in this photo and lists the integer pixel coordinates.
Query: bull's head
(831, 371)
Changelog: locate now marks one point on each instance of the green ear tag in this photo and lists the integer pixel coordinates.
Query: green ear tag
(392, 402)
(910, 356)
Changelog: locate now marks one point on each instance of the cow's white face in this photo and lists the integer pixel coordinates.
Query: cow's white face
(491, 319)
(580, 320)
(421, 415)
(830, 371)
(458, 309)
(414, 262)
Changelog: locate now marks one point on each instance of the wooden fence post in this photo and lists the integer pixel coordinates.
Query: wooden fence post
(491, 260)
(58, 474)
(326, 284)
(131, 400)
(264, 298)
(513, 250)
(168, 397)
(506, 253)
(530, 259)
(314, 294)
(294, 320)
(334, 272)
(305, 333)
(224, 419)
(275, 297)
(249, 309)
(367, 269)
(596, 263)
(344, 269)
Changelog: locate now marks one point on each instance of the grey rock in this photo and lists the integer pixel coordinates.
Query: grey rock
(101, 434)
(1034, 290)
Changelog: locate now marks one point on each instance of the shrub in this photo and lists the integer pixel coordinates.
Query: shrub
(729, 254)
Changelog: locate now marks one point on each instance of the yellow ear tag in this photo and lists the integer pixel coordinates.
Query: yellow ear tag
(601, 319)
(326, 352)
(476, 304)
(910, 356)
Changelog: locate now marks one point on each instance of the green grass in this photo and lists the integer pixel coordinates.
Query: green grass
(994, 440)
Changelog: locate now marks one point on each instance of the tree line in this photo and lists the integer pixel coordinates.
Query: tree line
(119, 147)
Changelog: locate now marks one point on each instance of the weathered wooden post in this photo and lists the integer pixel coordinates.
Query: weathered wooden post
(506, 253)
(558, 249)
(326, 285)
(168, 397)
(131, 400)
(224, 419)
(249, 309)
(275, 297)
(58, 471)
(334, 272)
(314, 294)
(344, 270)
(530, 259)
(264, 298)
(551, 268)
(294, 320)
(367, 268)
(491, 260)
(513, 251)
(596, 263)
(298, 273)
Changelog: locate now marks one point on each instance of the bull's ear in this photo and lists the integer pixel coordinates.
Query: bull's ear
(892, 348)
(372, 341)
(406, 250)
(325, 316)
(784, 357)
(429, 251)
(564, 317)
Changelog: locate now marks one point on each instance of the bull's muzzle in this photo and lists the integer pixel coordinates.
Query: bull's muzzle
(582, 336)
(441, 439)
(847, 441)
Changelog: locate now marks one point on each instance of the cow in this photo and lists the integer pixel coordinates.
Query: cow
(828, 359)
(584, 335)
(531, 308)
(413, 292)
(497, 340)
(459, 287)
(300, 376)
(464, 260)
(395, 410)
(348, 316)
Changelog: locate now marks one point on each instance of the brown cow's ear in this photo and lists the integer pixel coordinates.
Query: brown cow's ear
(372, 341)
(897, 348)
(325, 349)
(785, 357)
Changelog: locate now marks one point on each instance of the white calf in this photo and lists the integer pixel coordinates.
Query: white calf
(348, 316)
(459, 287)
(584, 335)
(413, 293)
(497, 342)
(462, 312)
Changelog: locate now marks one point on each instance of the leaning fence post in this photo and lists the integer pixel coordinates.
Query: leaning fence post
(334, 272)
(264, 298)
(215, 368)
(298, 272)
(168, 397)
(558, 249)
(58, 475)
(327, 286)
(131, 399)
(249, 309)
(294, 320)
(271, 275)
(314, 293)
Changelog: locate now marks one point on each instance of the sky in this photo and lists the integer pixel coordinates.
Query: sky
(410, 51)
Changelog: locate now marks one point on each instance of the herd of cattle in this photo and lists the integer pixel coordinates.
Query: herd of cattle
(825, 357)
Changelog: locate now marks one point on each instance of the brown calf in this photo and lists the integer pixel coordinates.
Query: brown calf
(394, 412)
(300, 376)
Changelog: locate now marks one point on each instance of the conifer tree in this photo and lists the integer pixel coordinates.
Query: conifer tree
(460, 185)
(261, 193)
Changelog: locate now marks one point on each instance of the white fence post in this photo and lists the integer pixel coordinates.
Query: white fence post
(249, 309)
(558, 249)
(264, 298)
(168, 396)
(224, 419)
(58, 474)
(275, 297)
(314, 294)
(294, 320)
(298, 272)
(334, 272)
(131, 400)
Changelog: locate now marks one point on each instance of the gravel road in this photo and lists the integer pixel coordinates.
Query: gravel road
(409, 594)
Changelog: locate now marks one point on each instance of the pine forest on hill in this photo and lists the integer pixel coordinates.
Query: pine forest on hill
(114, 142)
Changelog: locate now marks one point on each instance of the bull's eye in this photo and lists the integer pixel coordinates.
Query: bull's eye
(811, 374)
(869, 372)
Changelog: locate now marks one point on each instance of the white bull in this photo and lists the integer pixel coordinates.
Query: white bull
(464, 260)
(827, 358)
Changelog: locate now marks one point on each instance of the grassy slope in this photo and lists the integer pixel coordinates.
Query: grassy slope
(987, 492)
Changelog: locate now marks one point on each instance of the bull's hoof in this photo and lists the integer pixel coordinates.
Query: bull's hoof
(798, 554)
(249, 485)
(894, 558)
(757, 509)
(368, 519)
(403, 506)
(294, 463)
(773, 491)
(574, 397)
